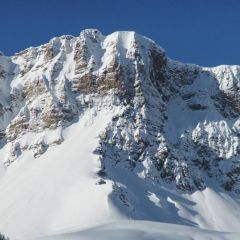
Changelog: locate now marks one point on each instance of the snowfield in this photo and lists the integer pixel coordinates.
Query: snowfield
(61, 193)
(142, 230)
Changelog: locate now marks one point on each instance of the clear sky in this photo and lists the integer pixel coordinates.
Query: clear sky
(205, 32)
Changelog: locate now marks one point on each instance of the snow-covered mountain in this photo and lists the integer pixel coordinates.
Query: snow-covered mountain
(100, 128)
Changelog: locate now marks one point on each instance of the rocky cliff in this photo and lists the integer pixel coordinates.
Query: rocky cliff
(178, 121)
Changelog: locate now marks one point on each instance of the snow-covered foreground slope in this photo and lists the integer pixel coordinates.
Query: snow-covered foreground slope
(142, 230)
(101, 128)
(59, 189)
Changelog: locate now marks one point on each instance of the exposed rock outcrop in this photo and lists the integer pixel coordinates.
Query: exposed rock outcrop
(178, 123)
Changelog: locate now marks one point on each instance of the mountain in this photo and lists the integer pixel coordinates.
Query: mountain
(96, 129)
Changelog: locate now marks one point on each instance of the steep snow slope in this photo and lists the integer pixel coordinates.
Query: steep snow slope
(96, 128)
(60, 188)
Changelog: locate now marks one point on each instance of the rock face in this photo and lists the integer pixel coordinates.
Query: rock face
(178, 123)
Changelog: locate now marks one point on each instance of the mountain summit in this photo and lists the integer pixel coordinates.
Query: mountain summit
(99, 128)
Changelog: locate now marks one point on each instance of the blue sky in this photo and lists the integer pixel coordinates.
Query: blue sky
(205, 32)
